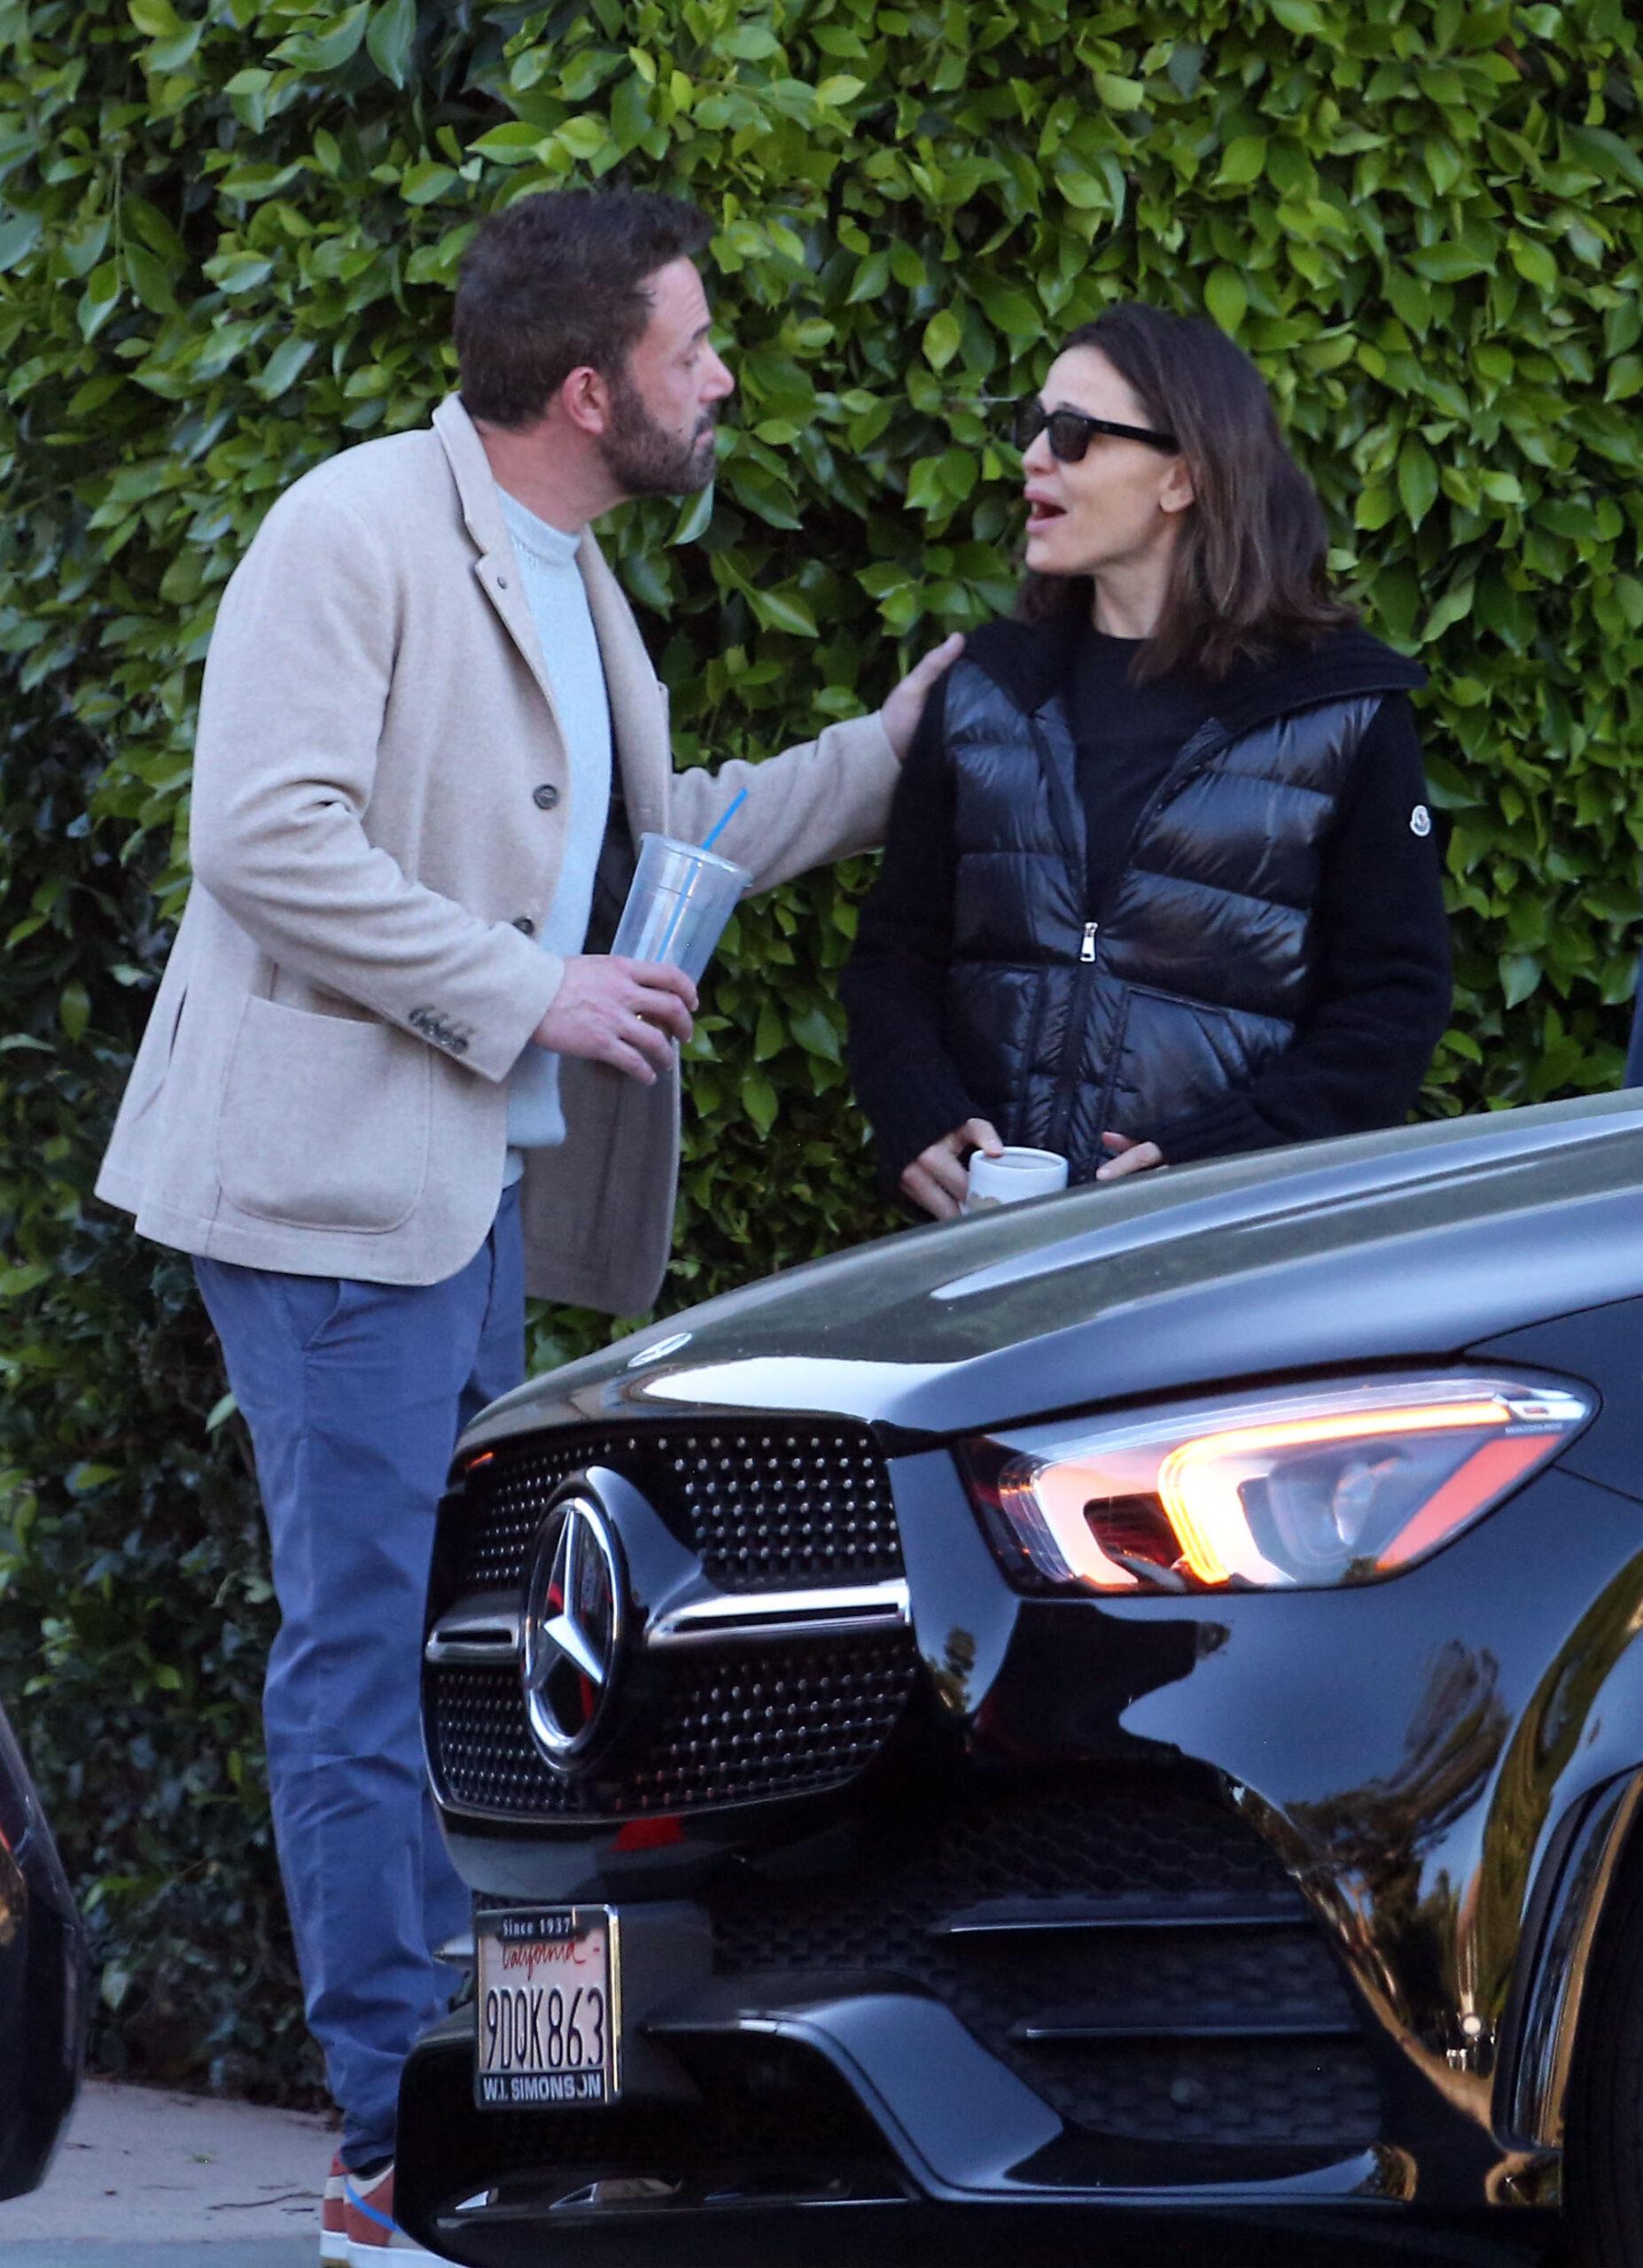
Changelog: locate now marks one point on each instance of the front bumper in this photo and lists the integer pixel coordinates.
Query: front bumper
(860, 2120)
(923, 2018)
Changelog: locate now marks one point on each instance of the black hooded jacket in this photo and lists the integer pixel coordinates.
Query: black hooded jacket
(1265, 956)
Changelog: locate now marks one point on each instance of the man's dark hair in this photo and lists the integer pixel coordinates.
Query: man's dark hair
(558, 280)
(1249, 571)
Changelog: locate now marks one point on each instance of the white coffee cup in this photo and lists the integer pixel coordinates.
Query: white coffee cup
(1014, 1174)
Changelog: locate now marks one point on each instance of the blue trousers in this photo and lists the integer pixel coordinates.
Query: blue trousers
(355, 1394)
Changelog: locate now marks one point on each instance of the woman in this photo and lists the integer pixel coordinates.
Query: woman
(1161, 883)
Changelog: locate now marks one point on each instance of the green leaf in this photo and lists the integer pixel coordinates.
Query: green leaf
(783, 611)
(329, 48)
(942, 339)
(1449, 263)
(1244, 161)
(1520, 976)
(284, 365)
(151, 280)
(1114, 93)
(841, 88)
(1186, 68)
(421, 184)
(1534, 263)
(235, 272)
(1226, 298)
(1417, 479)
(1013, 312)
(583, 137)
(391, 37)
(751, 43)
(99, 300)
(813, 1028)
(157, 18)
(759, 1100)
(512, 144)
(20, 233)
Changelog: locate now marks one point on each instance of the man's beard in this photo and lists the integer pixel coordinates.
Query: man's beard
(647, 461)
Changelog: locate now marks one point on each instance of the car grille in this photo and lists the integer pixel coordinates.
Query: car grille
(1196, 1999)
(764, 1505)
(731, 1727)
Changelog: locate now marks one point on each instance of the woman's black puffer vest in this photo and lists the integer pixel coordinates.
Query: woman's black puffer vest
(1066, 1019)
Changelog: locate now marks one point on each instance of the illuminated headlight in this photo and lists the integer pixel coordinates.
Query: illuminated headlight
(1305, 1487)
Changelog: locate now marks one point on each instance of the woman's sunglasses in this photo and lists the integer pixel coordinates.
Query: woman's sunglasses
(1070, 430)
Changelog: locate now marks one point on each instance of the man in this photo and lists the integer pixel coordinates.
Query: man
(385, 1089)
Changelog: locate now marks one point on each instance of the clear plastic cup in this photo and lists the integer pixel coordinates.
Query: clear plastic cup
(1017, 1172)
(680, 900)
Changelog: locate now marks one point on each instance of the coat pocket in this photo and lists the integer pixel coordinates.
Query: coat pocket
(323, 1122)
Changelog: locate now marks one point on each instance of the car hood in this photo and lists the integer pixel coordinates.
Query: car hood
(1414, 1243)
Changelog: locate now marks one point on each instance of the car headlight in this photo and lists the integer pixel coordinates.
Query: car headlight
(1294, 1489)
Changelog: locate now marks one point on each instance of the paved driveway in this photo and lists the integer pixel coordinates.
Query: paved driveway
(146, 2179)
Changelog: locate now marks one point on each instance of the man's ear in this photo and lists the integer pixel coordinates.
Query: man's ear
(1177, 492)
(585, 398)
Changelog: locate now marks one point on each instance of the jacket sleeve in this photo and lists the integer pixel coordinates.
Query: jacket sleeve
(825, 799)
(297, 684)
(1357, 1061)
(893, 986)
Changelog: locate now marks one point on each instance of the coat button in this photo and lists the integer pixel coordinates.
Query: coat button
(544, 797)
(525, 925)
(502, 582)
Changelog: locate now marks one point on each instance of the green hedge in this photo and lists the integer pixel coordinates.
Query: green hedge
(227, 238)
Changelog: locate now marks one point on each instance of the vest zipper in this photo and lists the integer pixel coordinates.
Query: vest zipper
(1208, 742)
(1066, 1085)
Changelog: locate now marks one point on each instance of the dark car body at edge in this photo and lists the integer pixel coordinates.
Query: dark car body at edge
(42, 1982)
(1019, 1918)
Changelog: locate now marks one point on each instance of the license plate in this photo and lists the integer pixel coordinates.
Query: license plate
(549, 2007)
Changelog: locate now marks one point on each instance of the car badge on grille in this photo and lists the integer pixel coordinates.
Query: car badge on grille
(574, 1622)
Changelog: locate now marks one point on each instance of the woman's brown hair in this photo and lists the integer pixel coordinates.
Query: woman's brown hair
(1249, 572)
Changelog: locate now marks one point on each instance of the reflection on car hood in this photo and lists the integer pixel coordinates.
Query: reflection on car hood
(1411, 1243)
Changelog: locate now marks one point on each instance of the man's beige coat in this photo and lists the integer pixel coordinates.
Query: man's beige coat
(380, 805)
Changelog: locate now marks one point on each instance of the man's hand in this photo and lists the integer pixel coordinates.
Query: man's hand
(625, 1013)
(936, 1179)
(1129, 1156)
(900, 713)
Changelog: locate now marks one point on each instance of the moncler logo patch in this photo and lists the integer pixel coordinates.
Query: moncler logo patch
(1419, 820)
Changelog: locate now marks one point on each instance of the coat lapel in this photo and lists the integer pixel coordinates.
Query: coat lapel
(638, 715)
(496, 569)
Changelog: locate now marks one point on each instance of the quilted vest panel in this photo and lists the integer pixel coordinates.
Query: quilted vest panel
(1067, 1020)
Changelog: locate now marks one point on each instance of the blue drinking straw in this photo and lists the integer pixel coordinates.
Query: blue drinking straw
(724, 819)
(708, 841)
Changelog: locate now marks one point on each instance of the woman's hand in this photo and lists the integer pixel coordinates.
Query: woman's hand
(1129, 1156)
(936, 1179)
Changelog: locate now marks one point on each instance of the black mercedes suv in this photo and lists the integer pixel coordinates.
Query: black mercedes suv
(1118, 1722)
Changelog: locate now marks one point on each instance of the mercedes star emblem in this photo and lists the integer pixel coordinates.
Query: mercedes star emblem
(573, 1628)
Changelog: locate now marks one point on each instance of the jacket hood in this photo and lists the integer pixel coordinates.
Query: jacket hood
(1030, 661)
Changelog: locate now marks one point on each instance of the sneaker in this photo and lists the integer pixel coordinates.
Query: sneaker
(333, 2231)
(373, 2233)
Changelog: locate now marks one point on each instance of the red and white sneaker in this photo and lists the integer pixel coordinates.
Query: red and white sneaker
(334, 2232)
(368, 2217)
